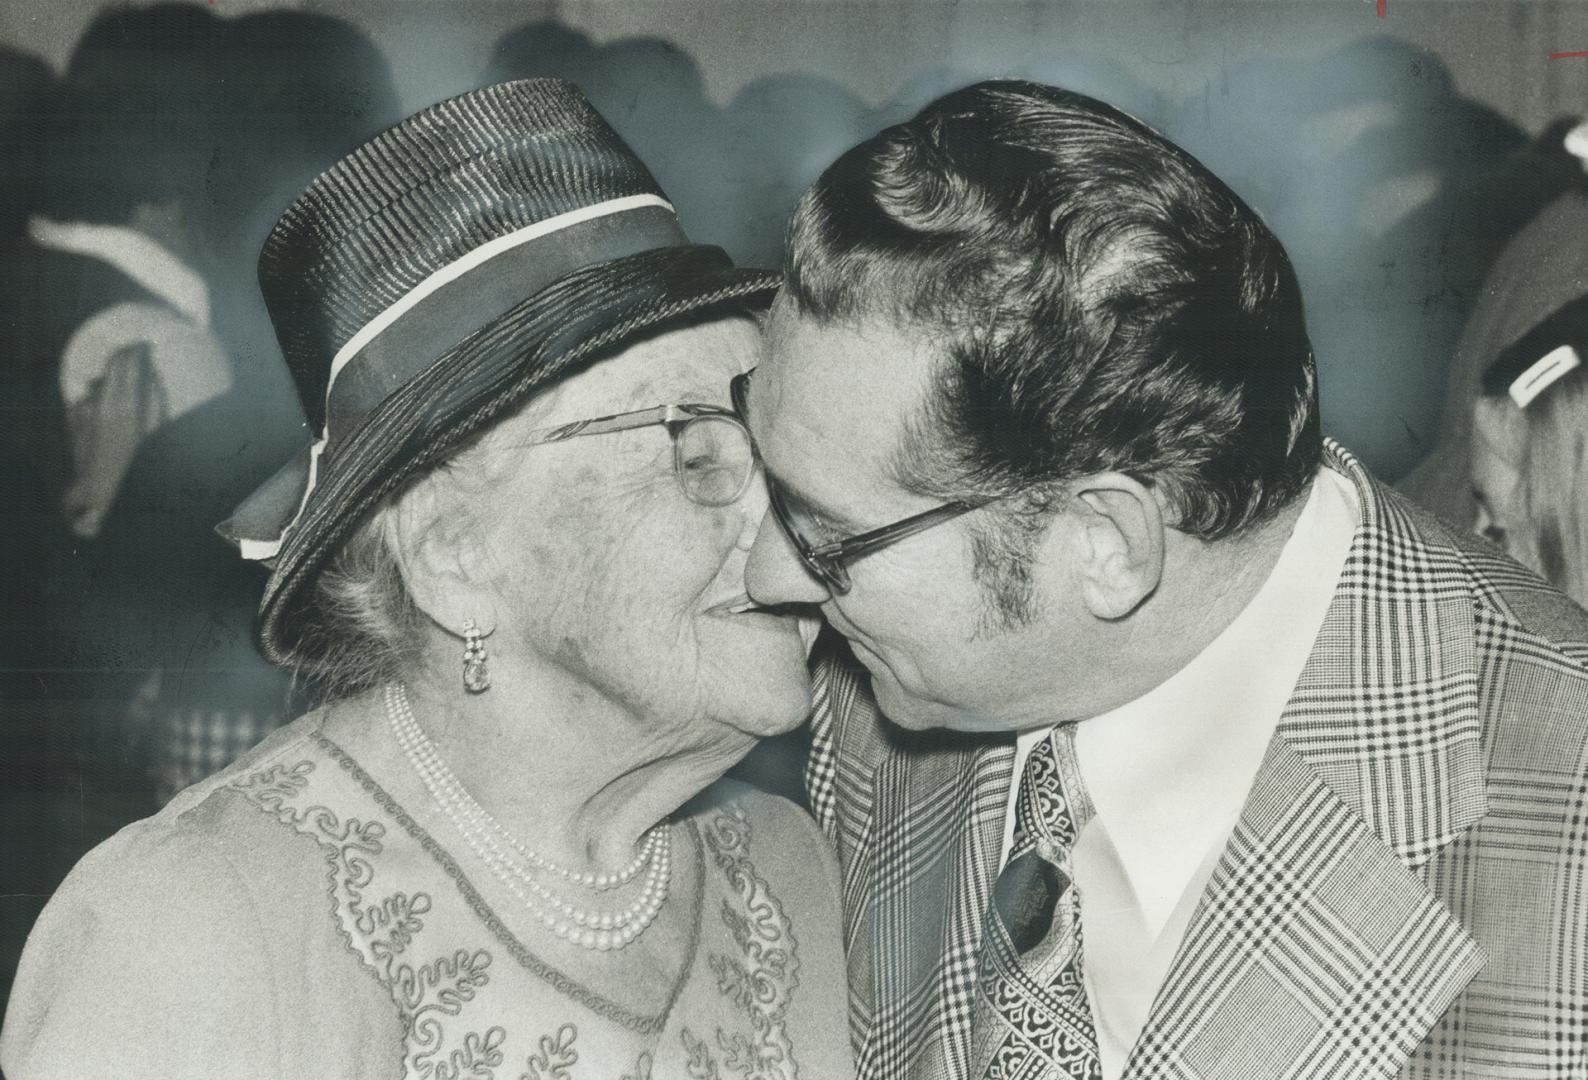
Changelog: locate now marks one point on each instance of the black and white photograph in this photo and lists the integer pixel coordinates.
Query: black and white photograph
(794, 540)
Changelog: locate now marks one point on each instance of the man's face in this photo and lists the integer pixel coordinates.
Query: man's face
(828, 406)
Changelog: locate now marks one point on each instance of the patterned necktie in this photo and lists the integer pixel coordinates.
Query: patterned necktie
(1031, 1019)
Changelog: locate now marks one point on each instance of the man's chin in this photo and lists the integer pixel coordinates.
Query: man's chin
(904, 709)
(915, 713)
(907, 710)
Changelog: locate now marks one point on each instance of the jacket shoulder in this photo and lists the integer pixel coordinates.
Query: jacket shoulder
(1501, 586)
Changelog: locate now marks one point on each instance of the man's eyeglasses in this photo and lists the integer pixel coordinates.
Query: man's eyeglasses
(829, 561)
(712, 456)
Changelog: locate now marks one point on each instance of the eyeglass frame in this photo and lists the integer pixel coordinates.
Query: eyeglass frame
(829, 562)
(675, 418)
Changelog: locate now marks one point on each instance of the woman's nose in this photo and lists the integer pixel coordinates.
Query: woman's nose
(774, 574)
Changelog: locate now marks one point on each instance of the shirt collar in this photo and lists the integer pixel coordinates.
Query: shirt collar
(1169, 772)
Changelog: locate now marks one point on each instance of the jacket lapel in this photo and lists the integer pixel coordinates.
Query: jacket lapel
(1315, 952)
(1317, 949)
(937, 826)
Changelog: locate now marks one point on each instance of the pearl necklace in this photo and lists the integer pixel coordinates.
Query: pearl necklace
(592, 929)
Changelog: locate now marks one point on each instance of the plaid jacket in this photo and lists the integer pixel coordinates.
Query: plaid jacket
(1405, 894)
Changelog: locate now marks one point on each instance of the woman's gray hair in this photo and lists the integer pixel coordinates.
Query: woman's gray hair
(365, 618)
(367, 629)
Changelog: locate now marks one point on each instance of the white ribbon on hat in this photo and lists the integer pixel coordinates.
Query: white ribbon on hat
(1543, 373)
(472, 260)
(1576, 144)
(482, 254)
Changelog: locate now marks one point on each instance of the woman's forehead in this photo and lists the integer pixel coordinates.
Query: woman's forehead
(692, 364)
(685, 364)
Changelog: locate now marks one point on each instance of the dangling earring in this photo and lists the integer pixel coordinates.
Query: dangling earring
(476, 676)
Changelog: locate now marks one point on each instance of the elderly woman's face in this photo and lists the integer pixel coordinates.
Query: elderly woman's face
(607, 573)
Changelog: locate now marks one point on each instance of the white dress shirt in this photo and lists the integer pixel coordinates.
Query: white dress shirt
(1168, 773)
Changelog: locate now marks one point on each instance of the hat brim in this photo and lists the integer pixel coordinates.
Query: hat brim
(538, 342)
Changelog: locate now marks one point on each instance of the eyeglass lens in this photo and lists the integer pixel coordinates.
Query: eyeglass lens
(800, 524)
(713, 459)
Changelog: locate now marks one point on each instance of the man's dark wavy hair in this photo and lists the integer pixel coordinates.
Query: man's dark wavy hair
(1102, 301)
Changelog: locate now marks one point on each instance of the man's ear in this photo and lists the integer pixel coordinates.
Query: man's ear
(436, 552)
(1118, 545)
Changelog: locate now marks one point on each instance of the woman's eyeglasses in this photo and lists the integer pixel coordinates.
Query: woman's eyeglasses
(829, 561)
(712, 456)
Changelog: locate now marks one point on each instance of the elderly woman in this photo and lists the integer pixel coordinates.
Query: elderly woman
(516, 546)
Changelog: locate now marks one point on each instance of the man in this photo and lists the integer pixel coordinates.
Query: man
(1301, 780)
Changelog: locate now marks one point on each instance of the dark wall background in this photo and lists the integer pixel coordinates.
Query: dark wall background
(1357, 136)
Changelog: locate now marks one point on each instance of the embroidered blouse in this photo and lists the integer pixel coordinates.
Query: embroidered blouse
(290, 918)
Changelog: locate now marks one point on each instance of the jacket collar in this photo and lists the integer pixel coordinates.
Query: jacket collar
(1386, 708)
(1318, 939)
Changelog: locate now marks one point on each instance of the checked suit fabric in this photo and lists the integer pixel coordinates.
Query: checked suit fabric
(1404, 896)
(1031, 1019)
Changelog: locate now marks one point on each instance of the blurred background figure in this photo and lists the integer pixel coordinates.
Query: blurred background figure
(113, 342)
(1393, 193)
(1529, 430)
(137, 363)
(1542, 269)
(35, 751)
(1530, 427)
(150, 399)
(126, 222)
(184, 134)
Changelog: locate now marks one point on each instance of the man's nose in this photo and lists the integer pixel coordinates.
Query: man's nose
(775, 574)
(753, 506)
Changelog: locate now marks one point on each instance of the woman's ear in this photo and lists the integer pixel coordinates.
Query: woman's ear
(434, 546)
(1119, 543)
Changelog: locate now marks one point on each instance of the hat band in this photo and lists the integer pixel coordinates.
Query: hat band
(460, 299)
(478, 288)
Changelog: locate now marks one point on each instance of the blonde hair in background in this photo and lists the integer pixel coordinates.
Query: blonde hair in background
(1554, 473)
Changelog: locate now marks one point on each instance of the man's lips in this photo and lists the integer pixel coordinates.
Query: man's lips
(809, 625)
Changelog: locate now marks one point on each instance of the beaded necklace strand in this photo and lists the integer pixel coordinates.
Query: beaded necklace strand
(596, 928)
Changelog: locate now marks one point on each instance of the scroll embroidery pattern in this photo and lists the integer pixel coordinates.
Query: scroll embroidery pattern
(556, 1057)
(762, 978)
(382, 932)
(385, 930)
